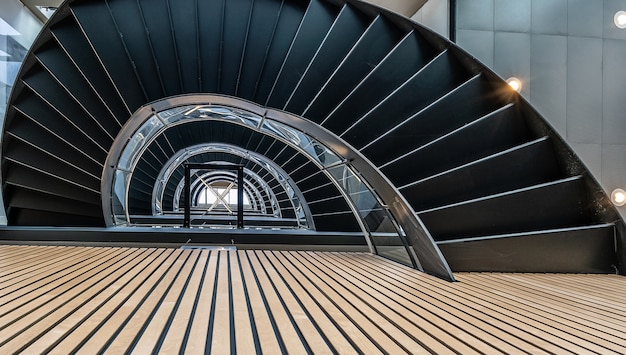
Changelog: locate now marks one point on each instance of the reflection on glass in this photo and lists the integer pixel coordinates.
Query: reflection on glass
(377, 219)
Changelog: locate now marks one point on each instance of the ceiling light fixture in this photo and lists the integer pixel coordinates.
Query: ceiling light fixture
(515, 83)
(618, 197)
(620, 19)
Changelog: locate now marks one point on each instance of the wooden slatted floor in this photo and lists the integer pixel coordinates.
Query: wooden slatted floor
(143, 300)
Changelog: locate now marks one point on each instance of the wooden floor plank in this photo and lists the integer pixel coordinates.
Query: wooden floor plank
(379, 329)
(45, 299)
(70, 301)
(58, 300)
(221, 331)
(37, 283)
(289, 335)
(359, 338)
(159, 320)
(310, 331)
(381, 303)
(420, 312)
(330, 330)
(55, 335)
(244, 337)
(444, 295)
(107, 324)
(97, 316)
(175, 337)
(521, 321)
(14, 261)
(198, 333)
(137, 312)
(268, 339)
(519, 299)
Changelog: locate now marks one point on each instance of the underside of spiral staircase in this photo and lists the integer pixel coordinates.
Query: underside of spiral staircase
(353, 125)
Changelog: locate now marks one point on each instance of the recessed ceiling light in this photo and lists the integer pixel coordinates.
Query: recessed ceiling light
(620, 19)
(618, 197)
(514, 83)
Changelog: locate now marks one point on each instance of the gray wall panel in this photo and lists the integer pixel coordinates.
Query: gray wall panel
(549, 78)
(614, 88)
(435, 15)
(591, 155)
(613, 167)
(512, 56)
(584, 90)
(512, 16)
(548, 17)
(478, 43)
(577, 79)
(475, 15)
(584, 18)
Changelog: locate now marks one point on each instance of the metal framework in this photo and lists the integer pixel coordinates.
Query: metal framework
(209, 166)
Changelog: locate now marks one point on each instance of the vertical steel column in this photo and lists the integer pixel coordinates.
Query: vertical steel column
(240, 196)
(187, 218)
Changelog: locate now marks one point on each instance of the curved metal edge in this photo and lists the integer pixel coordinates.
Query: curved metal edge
(428, 256)
(255, 158)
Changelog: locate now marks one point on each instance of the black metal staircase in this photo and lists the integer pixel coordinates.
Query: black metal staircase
(493, 184)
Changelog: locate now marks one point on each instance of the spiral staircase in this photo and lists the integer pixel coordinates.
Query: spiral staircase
(487, 182)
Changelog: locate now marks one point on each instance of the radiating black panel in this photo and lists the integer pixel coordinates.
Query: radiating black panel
(431, 83)
(24, 198)
(28, 131)
(495, 133)
(584, 250)
(55, 60)
(156, 15)
(263, 24)
(38, 110)
(302, 170)
(343, 35)
(288, 23)
(130, 21)
(33, 217)
(312, 181)
(317, 21)
(237, 17)
(382, 81)
(30, 156)
(103, 35)
(556, 205)
(185, 23)
(47, 87)
(79, 50)
(344, 222)
(526, 166)
(468, 103)
(371, 48)
(210, 35)
(29, 177)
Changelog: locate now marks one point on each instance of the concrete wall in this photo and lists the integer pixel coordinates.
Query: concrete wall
(571, 59)
(434, 14)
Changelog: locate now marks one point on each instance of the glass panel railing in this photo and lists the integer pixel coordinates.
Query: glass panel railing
(384, 233)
